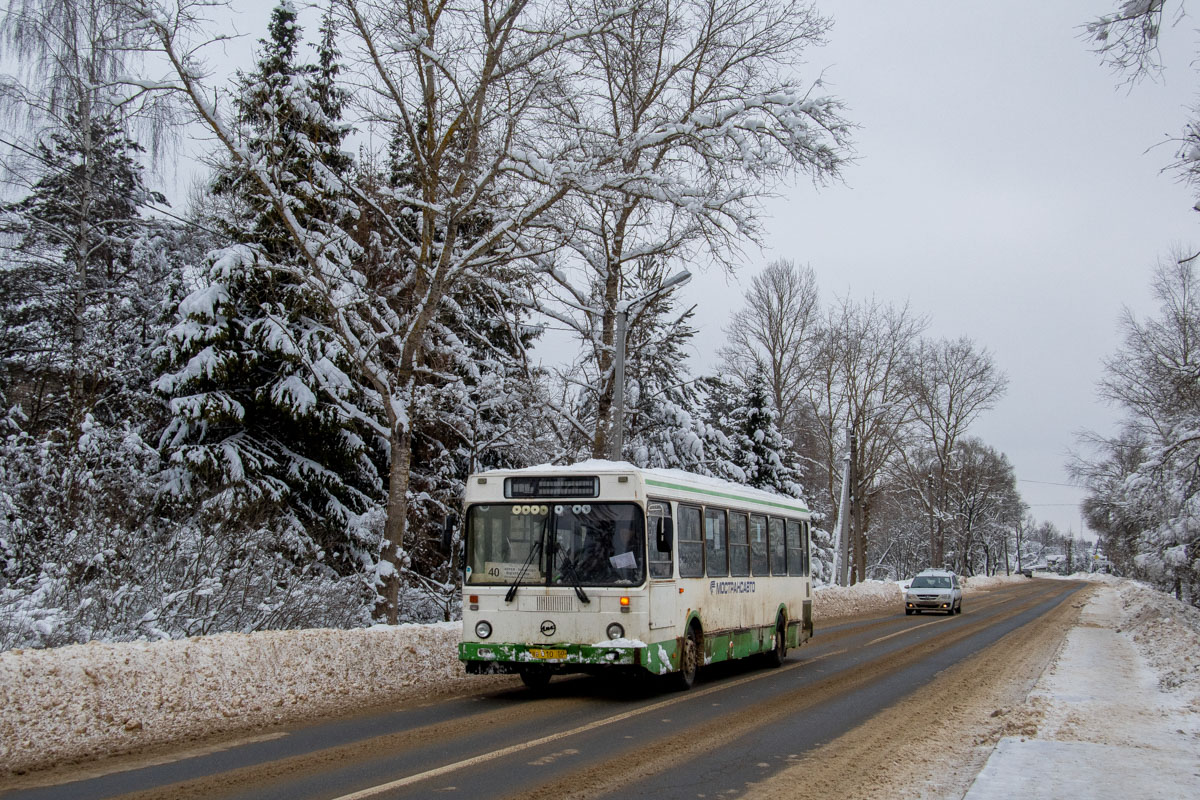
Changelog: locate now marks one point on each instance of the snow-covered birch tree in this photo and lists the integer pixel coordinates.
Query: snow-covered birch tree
(984, 506)
(779, 329)
(861, 383)
(1144, 481)
(1128, 40)
(700, 108)
(949, 383)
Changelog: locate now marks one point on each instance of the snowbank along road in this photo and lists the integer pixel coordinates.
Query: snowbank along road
(743, 731)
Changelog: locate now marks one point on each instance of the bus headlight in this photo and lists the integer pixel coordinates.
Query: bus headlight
(615, 631)
(483, 629)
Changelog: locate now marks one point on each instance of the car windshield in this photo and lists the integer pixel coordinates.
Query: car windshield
(567, 544)
(930, 582)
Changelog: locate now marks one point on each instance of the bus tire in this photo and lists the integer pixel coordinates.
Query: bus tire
(689, 659)
(778, 653)
(535, 678)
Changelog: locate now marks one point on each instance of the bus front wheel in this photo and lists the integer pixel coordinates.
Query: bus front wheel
(689, 659)
(535, 677)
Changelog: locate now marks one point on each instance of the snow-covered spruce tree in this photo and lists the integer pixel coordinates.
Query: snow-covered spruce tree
(267, 429)
(664, 427)
(700, 104)
(81, 309)
(79, 275)
(759, 448)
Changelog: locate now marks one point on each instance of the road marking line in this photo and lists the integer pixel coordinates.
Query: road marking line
(901, 633)
(516, 748)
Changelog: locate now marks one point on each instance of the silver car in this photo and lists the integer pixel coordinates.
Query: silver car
(933, 590)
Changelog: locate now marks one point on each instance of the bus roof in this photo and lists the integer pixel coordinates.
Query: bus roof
(667, 478)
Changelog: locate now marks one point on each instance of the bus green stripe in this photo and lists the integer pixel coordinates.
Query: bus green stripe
(726, 495)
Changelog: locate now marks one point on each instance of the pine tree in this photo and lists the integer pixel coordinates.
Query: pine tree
(269, 417)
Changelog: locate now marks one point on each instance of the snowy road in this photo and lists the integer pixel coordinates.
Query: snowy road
(743, 730)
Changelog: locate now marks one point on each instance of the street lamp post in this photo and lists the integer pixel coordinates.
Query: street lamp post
(616, 439)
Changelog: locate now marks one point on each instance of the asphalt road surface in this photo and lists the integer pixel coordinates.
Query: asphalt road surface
(742, 726)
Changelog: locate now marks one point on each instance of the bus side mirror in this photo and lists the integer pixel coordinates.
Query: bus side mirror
(448, 532)
(664, 535)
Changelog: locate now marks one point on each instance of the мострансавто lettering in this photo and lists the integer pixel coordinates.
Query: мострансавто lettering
(731, 587)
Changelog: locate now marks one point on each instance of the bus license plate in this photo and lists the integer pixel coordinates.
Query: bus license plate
(548, 654)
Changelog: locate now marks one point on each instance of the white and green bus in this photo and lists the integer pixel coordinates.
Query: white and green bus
(603, 566)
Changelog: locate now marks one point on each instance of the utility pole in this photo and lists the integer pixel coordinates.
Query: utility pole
(856, 514)
(841, 554)
(933, 559)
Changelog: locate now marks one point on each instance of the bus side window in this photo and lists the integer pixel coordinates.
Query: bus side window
(795, 549)
(778, 548)
(739, 549)
(716, 556)
(758, 544)
(660, 561)
(689, 543)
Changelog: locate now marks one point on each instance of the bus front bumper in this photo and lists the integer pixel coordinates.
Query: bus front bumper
(505, 657)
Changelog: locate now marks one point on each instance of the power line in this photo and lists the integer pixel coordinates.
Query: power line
(1050, 483)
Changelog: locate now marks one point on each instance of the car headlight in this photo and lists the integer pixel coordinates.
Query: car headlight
(483, 629)
(615, 631)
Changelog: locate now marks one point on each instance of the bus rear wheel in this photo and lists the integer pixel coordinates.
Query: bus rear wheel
(535, 677)
(689, 660)
(778, 653)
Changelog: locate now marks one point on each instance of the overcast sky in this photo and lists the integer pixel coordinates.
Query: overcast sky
(1007, 187)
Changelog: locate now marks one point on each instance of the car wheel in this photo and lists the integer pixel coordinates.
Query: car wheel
(908, 612)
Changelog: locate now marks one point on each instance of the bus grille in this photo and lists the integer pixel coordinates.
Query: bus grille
(556, 603)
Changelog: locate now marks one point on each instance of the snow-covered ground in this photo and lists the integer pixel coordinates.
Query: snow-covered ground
(1117, 714)
(1127, 677)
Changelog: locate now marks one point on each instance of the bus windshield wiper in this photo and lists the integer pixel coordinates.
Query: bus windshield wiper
(536, 549)
(568, 568)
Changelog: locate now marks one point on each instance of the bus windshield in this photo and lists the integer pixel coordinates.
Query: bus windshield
(557, 544)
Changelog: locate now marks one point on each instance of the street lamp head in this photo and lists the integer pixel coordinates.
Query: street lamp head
(682, 276)
(677, 279)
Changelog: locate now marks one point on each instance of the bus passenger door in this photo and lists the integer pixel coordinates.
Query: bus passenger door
(662, 571)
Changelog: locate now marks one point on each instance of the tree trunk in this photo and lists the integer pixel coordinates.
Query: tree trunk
(608, 338)
(387, 605)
